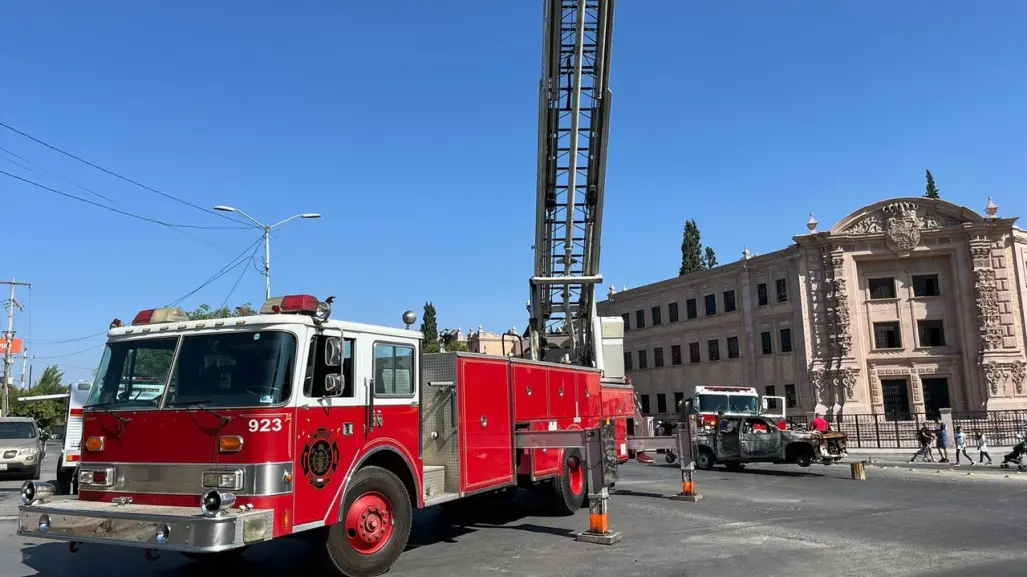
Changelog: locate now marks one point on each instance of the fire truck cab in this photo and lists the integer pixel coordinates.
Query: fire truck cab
(709, 401)
(288, 422)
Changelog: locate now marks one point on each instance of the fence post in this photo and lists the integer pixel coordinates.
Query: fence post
(877, 430)
(859, 438)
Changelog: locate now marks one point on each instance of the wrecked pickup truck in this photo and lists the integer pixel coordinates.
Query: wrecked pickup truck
(736, 440)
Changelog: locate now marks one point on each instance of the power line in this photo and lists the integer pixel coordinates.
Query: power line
(47, 342)
(243, 272)
(241, 259)
(114, 174)
(71, 354)
(40, 168)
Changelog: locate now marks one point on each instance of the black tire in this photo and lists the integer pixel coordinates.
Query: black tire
(734, 467)
(378, 488)
(65, 479)
(705, 459)
(36, 472)
(571, 487)
(670, 457)
(220, 560)
(804, 459)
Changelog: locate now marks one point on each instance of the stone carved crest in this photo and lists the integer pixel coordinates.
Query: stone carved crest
(1018, 373)
(996, 374)
(903, 229)
(816, 379)
(842, 381)
(846, 379)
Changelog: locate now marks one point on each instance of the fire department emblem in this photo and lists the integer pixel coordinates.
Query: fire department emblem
(320, 458)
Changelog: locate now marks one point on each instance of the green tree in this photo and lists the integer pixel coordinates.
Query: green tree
(205, 311)
(710, 258)
(430, 329)
(455, 346)
(46, 413)
(693, 258)
(932, 191)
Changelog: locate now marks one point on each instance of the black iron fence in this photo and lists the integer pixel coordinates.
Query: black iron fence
(900, 431)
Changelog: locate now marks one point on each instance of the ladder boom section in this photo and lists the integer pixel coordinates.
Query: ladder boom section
(574, 120)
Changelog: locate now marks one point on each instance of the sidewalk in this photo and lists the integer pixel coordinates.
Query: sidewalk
(902, 456)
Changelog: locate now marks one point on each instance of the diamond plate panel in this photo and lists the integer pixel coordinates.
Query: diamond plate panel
(440, 441)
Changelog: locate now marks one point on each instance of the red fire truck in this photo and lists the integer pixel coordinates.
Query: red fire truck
(289, 422)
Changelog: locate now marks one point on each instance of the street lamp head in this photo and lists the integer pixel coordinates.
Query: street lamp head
(310, 215)
(224, 208)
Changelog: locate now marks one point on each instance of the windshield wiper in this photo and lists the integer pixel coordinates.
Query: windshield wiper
(103, 408)
(199, 405)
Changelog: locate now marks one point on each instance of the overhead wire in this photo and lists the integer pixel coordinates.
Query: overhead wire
(243, 257)
(38, 168)
(114, 174)
(242, 273)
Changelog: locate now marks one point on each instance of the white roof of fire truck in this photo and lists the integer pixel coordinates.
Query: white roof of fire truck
(287, 310)
(700, 389)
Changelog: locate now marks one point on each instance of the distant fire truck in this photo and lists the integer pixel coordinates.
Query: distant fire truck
(709, 401)
(290, 422)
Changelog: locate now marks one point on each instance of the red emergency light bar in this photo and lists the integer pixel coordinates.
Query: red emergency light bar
(161, 315)
(290, 304)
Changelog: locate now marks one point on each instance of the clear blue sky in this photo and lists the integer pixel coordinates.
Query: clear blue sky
(411, 125)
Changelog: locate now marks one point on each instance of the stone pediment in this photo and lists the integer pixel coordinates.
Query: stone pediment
(903, 220)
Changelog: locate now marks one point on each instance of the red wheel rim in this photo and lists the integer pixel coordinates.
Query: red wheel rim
(576, 476)
(369, 523)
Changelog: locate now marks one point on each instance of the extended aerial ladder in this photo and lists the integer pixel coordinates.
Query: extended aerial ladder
(574, 124)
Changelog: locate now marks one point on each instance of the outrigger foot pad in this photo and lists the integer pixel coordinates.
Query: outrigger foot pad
(689, 498)
(608, 538)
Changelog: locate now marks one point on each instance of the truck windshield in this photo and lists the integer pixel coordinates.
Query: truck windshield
(236, 369)
(745, 404)
(231, 369)
(16, 430)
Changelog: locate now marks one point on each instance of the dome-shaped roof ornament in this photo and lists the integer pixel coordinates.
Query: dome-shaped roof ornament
(992, 209)
(812, 224)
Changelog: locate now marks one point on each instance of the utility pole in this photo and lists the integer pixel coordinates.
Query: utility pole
(12, 303)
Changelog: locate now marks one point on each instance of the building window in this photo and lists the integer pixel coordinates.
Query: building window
(711, 305)
(771, 391)
(675, 355)
(643, 360)
(729, 301)
(714, 349)
(768, 345)
(640, 319)
(645, 404)
(761, 293)
(786, 340)
(932, 333)
(782, 290)
(691, 310)
(790, 401)
(627, 361)
(887, 336)
(882, 288)
(693, 352)
(627, 321)
(926, 285)
(672, 312)
(657, 319)
(896, 399)
(658, 357)
(732, 348)
(661, 403)
(678, 397)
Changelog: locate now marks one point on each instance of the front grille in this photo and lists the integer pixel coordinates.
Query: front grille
(10, 454)
(833, 448)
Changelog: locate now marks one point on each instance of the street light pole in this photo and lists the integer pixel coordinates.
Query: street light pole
(267, 238)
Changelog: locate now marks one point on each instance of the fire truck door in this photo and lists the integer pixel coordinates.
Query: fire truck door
(727, 438)
(330, 419)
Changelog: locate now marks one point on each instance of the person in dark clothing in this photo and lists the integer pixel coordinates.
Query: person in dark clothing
(923, 436)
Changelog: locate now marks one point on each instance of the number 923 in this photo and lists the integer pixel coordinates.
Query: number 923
(265, 425)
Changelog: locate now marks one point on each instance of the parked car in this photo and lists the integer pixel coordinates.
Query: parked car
(21, 447)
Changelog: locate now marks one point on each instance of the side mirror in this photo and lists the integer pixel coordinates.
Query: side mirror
(334, 384)
(765, 403)
(333, 352)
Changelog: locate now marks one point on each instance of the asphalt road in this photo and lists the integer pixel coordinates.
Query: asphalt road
(776, 520)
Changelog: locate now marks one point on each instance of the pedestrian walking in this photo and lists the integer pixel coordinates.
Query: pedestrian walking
(923, 436)
(942, 440)
(982, 447)
(960, 439)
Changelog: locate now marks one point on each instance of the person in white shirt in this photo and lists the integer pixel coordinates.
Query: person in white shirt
(982, 447)
(960, 439)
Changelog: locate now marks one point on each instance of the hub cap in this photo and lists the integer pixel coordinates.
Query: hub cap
(369, 523)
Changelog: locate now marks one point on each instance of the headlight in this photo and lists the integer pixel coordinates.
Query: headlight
(29, 451)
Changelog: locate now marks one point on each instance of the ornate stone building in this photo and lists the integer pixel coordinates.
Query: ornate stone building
(905, 306)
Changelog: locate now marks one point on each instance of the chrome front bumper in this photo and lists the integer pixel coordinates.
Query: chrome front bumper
(180, 528)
